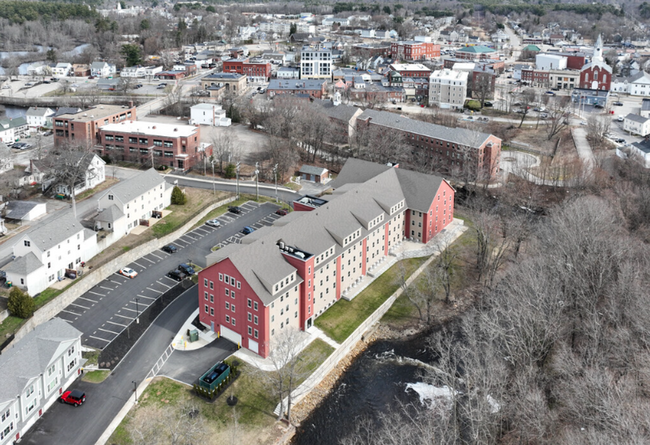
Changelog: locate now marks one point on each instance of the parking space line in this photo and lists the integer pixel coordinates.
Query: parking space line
(160, 258)
(128, 309)
(70, 312)
(145, 258)
(201, 229)
(99, 338)
(78, 305)
(124, 316)
(107, 288)
(163, 284)
(170, 279)
(180, 240)
(117, 282)
(87, 299)
(200, 235)
(188, 235)
(140, 303)
(149, 298)
(96, 293)
(138, 264)
(154, 290)
(117, 324)
(106, 330)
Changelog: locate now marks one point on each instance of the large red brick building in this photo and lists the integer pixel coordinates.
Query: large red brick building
(464, 153)
(82, 127)
(176, 146)
(291, 273)
(596, 75)
(412, 50)
(256, 71)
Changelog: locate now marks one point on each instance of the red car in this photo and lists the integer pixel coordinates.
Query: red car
(74, 397)
(281, 212)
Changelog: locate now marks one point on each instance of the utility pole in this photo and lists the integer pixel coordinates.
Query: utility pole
(237, 187)
(135, 390)
(275, 176)
(214, 191)
(257, 182)
(137, 311)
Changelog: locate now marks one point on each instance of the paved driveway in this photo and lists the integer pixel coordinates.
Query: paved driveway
(188, 366)
(111, 306)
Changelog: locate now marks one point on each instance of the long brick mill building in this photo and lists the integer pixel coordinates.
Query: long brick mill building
(456, 151)
(176, 146)
(286, 275)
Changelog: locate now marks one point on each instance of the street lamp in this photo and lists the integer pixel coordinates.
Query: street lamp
(237, 172)
(275, 176)
(137, 311)
(257, 182)
(214, 191)
(135, 390)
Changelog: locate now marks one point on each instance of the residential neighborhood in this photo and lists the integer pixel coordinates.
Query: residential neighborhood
(334, 223)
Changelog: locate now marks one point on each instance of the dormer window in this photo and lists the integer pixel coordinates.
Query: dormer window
(110, 197)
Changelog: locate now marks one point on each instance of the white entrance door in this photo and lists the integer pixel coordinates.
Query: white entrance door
(230, 335)
(252, 345)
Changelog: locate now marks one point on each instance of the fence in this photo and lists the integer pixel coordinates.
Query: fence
(319, 374)
(96, 275)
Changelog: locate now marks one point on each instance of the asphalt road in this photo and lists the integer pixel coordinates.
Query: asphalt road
(110, 307)
(65, 424)
(284, 195)
(188, 366)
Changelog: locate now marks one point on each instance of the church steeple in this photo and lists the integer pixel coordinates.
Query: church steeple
(598, 49)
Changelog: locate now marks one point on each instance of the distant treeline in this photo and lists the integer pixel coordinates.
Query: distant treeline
(541, 9)
(22, 11)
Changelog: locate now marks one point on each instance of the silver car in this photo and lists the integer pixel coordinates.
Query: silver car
(213, 223)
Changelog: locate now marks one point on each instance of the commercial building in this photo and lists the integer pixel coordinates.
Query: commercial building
(220, 83)
(310, 88)
(288, 274)
(448, 88)
(176, 146)
(35, 372)
(476, 53)
(410, 70)
(412, 50)
(457, 151)
(287, 72)
(550, 62)
(209, 114)
(82, 127)
(315, 63)
(255, 71)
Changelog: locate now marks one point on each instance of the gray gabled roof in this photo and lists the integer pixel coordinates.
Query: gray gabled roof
(262, 263)
(39, 112)
(53, 232)
(645, 105)
(18, 209)
(130, 189)
(312, 170)
(23, 265)
(356, 171)
(469, 138)
(111, 214)
(636, 118)
(32, 355)
(340, 112)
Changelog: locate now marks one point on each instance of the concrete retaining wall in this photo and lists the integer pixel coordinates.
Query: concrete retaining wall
(98, 274)
(68, 101)
(332, 361)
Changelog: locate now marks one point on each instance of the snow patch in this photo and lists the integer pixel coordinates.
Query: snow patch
(431, 395)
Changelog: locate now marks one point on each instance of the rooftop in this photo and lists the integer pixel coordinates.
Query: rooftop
(130, 189)
(636, 118)
(478, 49)
(293, 84)
(97, 112)
(409, 67)
(150, 129)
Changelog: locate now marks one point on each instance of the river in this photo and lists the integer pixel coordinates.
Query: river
(370, 384)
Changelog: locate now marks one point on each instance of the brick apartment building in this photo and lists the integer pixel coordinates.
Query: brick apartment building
(456, 151)
(83, 127)
(410, 70)
(177, 146)
(366, 51)
(256, 71)
(292, 272)
(412, 50)
(561, 79)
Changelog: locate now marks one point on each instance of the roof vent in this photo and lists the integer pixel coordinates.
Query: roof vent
(153, 128)
(175, 129)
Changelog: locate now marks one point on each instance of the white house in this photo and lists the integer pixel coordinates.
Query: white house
(102, 69)
(125, 204)
(636, 85)
(448, 88)
(61, 69)
(288, 72)
(44, 254)
(208, 114)
(14, 129)
(25, 210)
(640, 151)
(132, 71)
(636, 124)
(150, 71)
(35, 372)
(38, 117)
(91, 170)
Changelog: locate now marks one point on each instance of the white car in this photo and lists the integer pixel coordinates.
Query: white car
(128, 272)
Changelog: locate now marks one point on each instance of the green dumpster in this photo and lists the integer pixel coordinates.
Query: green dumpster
(9, 284)
(194, 335)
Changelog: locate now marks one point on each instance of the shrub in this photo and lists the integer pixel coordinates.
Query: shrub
(20, 304)
(178, 197)
(230, 171)
(473, 105)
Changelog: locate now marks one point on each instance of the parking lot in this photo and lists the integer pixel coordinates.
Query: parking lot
(110, 307)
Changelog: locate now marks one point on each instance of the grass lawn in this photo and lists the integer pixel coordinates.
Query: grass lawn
(344, 317)
(254, 407)
(95, 376)
(47, 295)
(9, 326)
(91, 356)
(196, 202)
